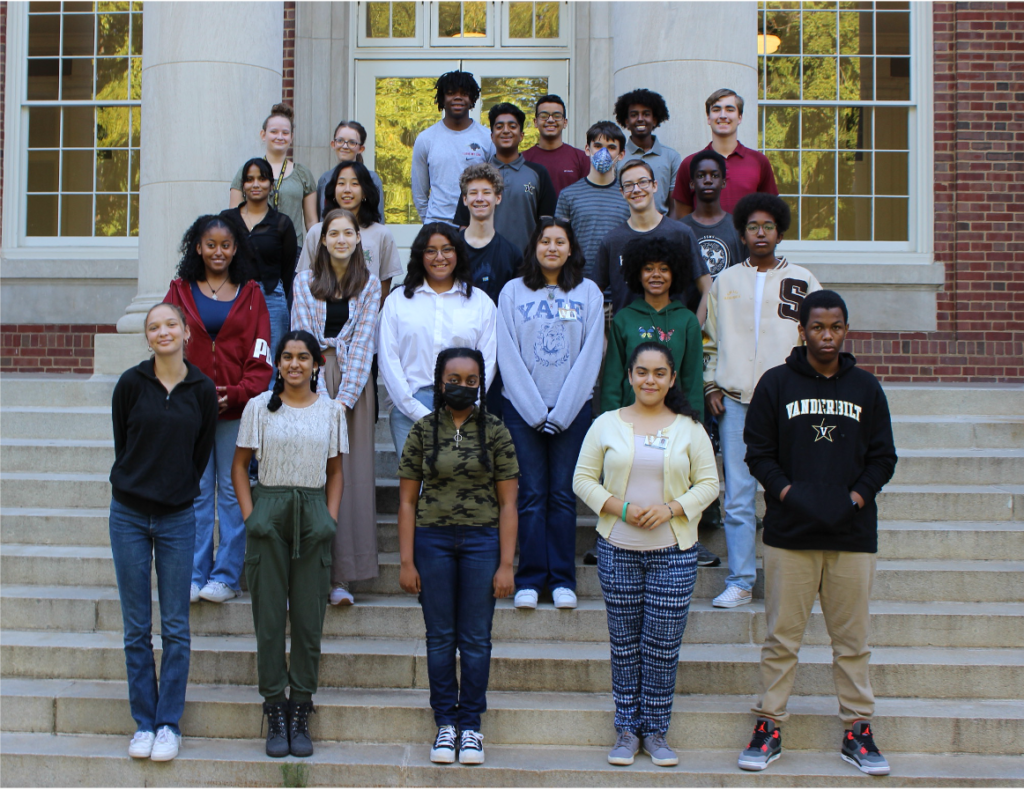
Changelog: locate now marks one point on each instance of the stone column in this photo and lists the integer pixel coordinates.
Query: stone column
(685, 51)
(211, 71)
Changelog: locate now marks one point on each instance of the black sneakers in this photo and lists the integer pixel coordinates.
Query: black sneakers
(277, 728)
(706, 558)
(859, 749)
(298, 728)
(764, 748)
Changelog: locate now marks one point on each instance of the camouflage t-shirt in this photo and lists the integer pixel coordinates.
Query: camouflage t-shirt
(461, 491)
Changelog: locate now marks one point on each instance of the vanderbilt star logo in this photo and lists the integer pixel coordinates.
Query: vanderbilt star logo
(823, 431)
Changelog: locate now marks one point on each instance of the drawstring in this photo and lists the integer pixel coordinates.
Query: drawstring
(296, 513)
(299, 498)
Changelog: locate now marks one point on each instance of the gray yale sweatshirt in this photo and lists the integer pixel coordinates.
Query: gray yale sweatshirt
(549, 349)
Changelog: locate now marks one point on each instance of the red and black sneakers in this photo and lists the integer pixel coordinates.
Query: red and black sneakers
(764, 748)
(859, 749)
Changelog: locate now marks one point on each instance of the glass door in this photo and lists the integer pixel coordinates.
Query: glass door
(395, 101)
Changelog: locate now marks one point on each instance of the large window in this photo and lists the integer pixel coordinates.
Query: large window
(838, 111)
(82, 96)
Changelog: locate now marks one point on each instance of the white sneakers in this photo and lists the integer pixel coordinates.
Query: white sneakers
(193, 593)
(160, 747)
(443, 750)
(526, 599)
(564, 598)
(471, 747)
(142, 743)
(732, 597)
(217, 592)
(341, 597)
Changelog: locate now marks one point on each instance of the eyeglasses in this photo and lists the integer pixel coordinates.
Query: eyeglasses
(644, 184)
(445, 252)
(556, 116)
(753, 227)
(347, 143)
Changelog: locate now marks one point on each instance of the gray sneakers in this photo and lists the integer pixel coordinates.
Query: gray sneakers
(655, 746)
(625, 749)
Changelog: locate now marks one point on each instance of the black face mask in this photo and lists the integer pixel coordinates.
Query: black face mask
(458, 397)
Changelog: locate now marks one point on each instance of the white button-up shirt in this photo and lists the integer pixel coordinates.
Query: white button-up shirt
(414, 331)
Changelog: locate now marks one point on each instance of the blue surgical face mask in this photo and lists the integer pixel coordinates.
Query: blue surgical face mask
(602, 160)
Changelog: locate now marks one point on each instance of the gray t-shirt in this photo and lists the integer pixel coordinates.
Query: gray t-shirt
(439, 156)
(720, 244)
(293, 445)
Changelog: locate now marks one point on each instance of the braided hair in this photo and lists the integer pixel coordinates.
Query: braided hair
(675, 400)
(314, 350)
(481, 414)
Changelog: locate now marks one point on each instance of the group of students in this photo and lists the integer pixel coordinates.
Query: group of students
(491, 354)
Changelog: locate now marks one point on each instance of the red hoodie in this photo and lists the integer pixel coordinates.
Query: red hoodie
(240, 357)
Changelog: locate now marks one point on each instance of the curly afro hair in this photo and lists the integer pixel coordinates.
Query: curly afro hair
(640, 252)
(647, 99)
(243, 265)
(760, 201)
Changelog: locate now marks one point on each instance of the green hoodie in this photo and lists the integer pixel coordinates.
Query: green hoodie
(637, 323)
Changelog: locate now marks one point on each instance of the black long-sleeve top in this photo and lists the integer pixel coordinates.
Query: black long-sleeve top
(162, 440)
(277, 251)
(826, 437)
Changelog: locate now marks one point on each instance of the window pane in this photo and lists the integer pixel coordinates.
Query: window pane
(892, 33)
(855, 219)
(78, 34)
(135, 81)
(112, 78)
(43, 35)
(134, 182)
(77, 171)
(856, 34)
(818, 173)
(43, 7)
(112, 127)
(782, 78)
(786, 26)
(403, 20)
(819, 79)
(76, 79)
(855, 173)
(136, 126)
(109, 6)
(819, 33)
(523, 92)
(43, 167)
(378, 20)
(891, 128)
(520, 20)
(42, 79)
(111, 215)
(79, 8)
(41, 219)
(547, 20)
(817, 219)
(819, 127)
(892, 79)
(794, 209)
(855, 127)
(890, 219)
(890, 173)
(113, 34)
(449, 20)
(78, 127)
(856, 79)
(111, 170)
(43, 127)
(786, 166)
(136, 34)
(76, 215)
(474, 19)
(133, 208)
(780, 128)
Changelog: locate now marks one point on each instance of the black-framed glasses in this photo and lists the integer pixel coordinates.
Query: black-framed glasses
(544, 116)
(753, 227)
(643, 183)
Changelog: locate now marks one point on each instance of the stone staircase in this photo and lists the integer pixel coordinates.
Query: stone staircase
(947, 632)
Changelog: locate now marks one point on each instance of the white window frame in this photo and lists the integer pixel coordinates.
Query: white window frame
(563, 30)
(919, 247)
(483, 41)
(362, 40)
(15, 241)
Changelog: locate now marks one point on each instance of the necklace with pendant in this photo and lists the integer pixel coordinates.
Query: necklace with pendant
(551, 291)
(458, 437)
(213, 291)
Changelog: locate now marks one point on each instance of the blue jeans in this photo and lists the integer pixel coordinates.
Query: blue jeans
(401, 425)
(740, 497)
(135, 539)
(547, 504)
(280, 321)
(216, 484)
(457, 567)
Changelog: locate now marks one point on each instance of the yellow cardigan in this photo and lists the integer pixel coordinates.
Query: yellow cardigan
(691, 475)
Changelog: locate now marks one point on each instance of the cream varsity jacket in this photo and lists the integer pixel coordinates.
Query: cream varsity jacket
(730, 362)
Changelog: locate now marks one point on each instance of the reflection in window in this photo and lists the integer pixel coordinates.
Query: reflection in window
(390, 20)
(83, 160)
(840, 155)
(523, 92)
(462, 20)
(533, 20)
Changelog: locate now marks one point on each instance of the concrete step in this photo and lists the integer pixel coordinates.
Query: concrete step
(56, 526)
(893, 623)
(911, 672)
(960, 467)
(88, 456)
(953, 399)
(98, 707)
(65, 389)
(895, 580)
(56, 422)
(60, 760)
(959, 431)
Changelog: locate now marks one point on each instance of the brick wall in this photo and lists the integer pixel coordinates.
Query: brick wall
(288, 59)
(49, 348)
(979, 207)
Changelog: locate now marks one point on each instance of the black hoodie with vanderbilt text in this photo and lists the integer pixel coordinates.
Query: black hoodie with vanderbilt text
(825, 437)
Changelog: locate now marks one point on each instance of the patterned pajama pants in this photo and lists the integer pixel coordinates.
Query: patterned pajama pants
(647, 596)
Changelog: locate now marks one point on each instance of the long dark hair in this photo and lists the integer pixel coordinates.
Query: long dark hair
(324, 283)
(191, 267)
(481, 414)
(674, 398)
(368, 211)
(571, 274)
(314, 349)
(266, 173)
(417, 269)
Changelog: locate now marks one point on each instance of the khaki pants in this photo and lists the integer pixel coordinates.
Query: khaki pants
(842, 580)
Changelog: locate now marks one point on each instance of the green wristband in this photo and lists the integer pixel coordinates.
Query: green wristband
(624, 506)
